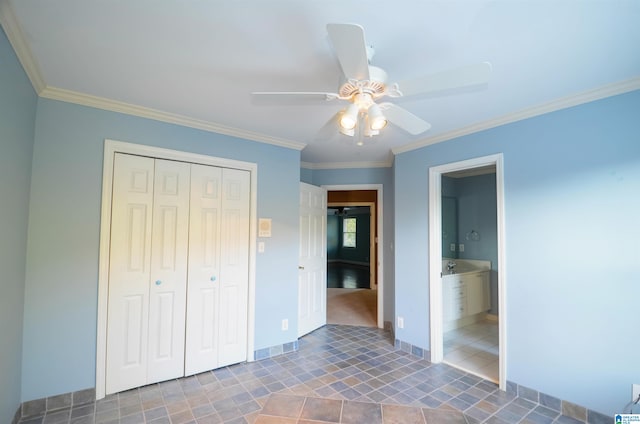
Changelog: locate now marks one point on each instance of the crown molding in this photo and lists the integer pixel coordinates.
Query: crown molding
(346, 165)
(16, 37)
(158, 115)
(552, 106)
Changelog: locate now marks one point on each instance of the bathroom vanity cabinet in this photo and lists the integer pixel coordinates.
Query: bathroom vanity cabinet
(464, 296)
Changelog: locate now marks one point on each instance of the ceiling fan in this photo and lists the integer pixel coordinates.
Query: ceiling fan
(366, 84)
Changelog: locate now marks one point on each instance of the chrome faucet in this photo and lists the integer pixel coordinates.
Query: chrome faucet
(450, 266)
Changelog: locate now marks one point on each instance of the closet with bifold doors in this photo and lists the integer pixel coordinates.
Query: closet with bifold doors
(178, 270)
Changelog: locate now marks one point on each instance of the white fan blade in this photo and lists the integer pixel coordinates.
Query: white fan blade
(330, 129)
(291, 97)
(351, 49)
(466, 76)
(404, 119)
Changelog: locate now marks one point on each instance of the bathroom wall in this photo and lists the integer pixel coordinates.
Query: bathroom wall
(476, 197)
(469, 204)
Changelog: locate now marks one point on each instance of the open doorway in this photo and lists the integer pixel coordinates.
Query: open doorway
(351, 285)
(351, 245)
(354, 227)
(467, 284)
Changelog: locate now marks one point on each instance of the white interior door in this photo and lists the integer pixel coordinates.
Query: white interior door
(312, 268)
(168, 288)
(218, 285)
(129, 273)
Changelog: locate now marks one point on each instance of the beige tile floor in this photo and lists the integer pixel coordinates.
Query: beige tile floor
(474, 348)
(352, 307)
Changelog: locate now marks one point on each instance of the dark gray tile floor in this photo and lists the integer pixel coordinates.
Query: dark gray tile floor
(340, 374)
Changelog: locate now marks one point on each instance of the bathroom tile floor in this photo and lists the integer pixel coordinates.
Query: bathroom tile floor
(474, 348)
(340, 374)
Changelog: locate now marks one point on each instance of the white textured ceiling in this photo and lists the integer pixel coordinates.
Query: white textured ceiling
(202, 59)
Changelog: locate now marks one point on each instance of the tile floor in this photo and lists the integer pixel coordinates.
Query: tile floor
(340, 374)
(474, 348)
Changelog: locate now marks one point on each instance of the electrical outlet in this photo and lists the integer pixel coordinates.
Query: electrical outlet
(635, 392)
(400, 322)
(285, 324)
(461, 247)
(452, 247)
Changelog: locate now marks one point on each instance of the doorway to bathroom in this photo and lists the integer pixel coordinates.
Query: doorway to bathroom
(466, 244)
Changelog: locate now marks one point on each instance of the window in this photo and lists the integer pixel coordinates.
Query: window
(349, 232)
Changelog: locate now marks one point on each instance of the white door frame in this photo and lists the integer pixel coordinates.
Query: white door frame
(435, 257)
(380, 220)
(372, 236)
(110, 148)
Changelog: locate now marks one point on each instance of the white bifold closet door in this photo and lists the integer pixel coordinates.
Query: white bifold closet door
(160, 252)
(147, 271)
(218, 268)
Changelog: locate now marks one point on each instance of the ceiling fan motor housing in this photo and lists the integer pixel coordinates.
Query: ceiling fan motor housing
(375, 86)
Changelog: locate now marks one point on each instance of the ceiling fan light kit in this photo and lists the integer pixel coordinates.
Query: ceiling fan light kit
(366, 84)
(377, 121)
(349, 118)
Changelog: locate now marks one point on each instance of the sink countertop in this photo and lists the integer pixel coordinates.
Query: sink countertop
(463, 271)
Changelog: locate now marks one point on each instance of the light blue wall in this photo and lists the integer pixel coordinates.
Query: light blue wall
(17, 115)
(571, 204)
(62, 259)
(382, 176)
(306, 175)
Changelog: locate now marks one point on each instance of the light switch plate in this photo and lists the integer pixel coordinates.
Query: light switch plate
(461, 247)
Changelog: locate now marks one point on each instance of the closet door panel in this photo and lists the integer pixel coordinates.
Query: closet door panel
(168, 288)
(203, 293)
(234, 266)
(129, 272)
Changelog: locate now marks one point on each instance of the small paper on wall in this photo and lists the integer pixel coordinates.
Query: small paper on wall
(264, 227)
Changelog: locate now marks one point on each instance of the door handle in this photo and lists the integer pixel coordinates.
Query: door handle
(158, 282)
(300, 267)
(213, 278)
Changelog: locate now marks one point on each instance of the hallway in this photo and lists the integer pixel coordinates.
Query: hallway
(347, 276)
(349, 299)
